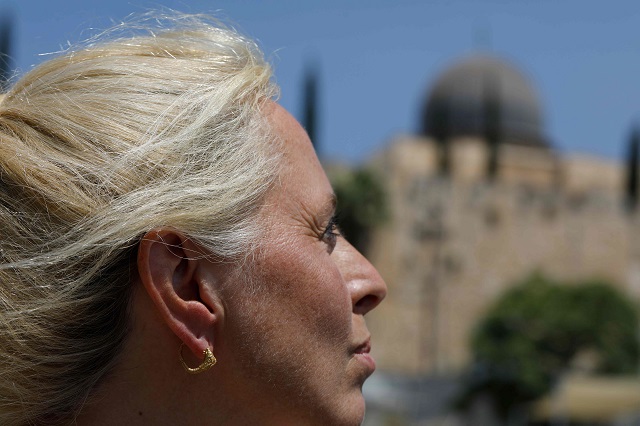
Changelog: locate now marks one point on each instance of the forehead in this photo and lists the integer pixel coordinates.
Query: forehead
(298, 150)
(301, 174)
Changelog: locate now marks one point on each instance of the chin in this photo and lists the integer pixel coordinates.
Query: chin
(352, 411)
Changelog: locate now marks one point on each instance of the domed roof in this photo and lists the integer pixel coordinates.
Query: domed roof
(478, 87)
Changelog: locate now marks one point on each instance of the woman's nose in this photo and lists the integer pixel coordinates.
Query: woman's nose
(365, 284)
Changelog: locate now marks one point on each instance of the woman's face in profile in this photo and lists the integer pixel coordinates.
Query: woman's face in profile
(300, 339)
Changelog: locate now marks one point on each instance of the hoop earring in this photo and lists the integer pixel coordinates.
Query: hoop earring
(208, 362)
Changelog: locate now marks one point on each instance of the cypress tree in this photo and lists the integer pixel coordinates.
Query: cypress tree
(310, 105)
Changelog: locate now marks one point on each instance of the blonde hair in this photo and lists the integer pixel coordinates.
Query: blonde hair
(164, 127)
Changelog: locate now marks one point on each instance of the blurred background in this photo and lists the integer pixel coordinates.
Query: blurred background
(485, 155)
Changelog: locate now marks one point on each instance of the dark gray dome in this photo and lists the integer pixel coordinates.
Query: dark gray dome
(478, 87)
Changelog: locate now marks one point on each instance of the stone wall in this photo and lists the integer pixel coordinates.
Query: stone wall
(454, 244)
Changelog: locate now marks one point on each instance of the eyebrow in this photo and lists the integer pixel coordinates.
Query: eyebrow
(333, 200)
(330, 205)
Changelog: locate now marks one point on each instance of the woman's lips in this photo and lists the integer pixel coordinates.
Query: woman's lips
(362, 354)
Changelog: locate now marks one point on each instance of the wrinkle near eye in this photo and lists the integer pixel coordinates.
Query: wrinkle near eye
(305, 218)
(315, 220)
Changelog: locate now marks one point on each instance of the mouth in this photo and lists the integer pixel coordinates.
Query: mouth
(364, 347)
(362, 354)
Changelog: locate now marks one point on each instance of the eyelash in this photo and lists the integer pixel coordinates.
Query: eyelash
(331, 233)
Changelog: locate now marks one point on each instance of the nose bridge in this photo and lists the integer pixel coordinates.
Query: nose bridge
(366, 286)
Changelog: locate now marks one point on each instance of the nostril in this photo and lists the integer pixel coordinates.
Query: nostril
(366, 303)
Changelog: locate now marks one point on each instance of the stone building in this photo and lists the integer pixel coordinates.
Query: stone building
(479, 200)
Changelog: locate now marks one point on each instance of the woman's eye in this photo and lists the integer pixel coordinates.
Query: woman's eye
(331, 234)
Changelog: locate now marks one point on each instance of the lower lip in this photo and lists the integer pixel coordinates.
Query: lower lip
(367, 360)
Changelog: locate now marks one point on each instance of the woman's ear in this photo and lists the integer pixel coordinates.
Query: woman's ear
(176, 274)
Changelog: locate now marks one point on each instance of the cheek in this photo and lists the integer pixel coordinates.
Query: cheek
(308, 289)
(295, 320)
(330, 304)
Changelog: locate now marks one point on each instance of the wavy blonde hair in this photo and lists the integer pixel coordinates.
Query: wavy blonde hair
(163, 126)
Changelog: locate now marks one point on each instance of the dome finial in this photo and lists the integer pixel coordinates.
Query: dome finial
(482, 37)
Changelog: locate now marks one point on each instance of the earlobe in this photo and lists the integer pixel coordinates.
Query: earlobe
(169, 269)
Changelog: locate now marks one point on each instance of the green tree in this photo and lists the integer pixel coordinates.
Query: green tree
(531, 335)
(362, 204)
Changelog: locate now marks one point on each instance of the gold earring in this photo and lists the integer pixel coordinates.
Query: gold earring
(208, 362)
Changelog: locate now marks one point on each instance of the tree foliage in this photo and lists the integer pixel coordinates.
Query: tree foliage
(534, 332)
(362, 204)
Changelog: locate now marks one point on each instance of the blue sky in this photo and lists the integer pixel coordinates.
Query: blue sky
(377, 58)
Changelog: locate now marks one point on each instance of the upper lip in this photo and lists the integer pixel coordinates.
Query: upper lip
(364, 347)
